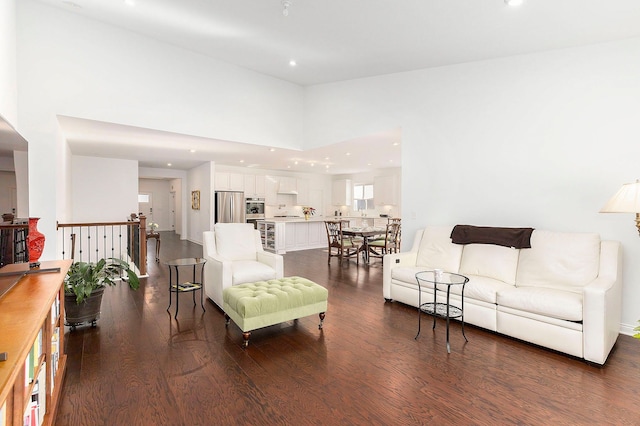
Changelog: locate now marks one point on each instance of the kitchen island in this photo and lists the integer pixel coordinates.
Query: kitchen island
(292, 233)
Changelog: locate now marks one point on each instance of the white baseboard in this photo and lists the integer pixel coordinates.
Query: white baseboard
(628, 329)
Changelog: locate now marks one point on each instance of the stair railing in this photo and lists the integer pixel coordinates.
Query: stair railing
(90, 242)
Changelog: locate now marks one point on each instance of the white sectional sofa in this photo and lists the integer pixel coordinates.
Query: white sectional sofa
(563, 293)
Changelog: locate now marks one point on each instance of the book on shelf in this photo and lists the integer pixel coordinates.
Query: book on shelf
(55, 354)
(55, 309)
(186, 286)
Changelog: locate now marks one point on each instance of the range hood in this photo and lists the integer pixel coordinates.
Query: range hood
(288, 186)
(287, 191)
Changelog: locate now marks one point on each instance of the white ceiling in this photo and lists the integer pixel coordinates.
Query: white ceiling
(335, 40)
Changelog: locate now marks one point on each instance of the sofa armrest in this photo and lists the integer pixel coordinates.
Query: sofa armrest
(395, 260)
(602, 305)
(218, 275)
(273, 260)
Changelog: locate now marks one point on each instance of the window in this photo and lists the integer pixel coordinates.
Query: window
(363, 197)
(143, 198)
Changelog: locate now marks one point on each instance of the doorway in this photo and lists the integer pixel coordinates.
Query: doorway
(145, 205)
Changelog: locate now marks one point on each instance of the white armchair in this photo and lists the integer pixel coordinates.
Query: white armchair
(234, 256)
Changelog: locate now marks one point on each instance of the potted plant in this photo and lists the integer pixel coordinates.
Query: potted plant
(84, 285)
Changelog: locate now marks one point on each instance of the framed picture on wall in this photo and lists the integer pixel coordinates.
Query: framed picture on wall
(195, 200)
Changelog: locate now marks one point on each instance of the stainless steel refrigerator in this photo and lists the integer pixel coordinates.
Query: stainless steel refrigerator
(230, 207)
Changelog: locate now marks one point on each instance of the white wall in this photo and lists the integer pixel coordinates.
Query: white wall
(21, 166)
(369, 178)
(110, 195)
(7, 188)
(113, 75)
(200, 179)
(8, 87)
(538, 140)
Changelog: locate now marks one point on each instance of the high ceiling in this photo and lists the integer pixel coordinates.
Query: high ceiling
(334, 40)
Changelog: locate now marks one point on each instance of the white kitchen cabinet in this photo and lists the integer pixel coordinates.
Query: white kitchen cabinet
(290, 236)
(385, 190)
(225, 181)
(317, 235)
(305, 235)
(287, 185)
(303, 199)
(254, 186)
(272, 235)
(341, 192)
(260, 186)
(271, 190)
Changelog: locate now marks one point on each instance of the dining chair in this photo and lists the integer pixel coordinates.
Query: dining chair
(399, 235)
(386, 245)
(341, 246)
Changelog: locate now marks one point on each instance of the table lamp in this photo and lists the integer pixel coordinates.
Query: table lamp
(626, 200)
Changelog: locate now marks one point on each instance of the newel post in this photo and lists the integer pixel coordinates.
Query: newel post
(143, 245)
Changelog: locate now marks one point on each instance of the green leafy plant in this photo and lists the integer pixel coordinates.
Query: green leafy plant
(84, 277)
(637, 335)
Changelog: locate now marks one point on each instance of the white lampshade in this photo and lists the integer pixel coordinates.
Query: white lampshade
(626, 200)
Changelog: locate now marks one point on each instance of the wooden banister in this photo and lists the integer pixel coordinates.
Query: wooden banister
(139, 225)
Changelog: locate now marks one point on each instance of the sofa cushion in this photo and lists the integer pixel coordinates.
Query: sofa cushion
(406, 274)
(480, 288)
(437, 251)
(560, 304)
(490, 261)
(236, 241)
(559, 260)
(248, 271)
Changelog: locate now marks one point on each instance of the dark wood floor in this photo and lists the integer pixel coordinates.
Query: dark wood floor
(140, 366)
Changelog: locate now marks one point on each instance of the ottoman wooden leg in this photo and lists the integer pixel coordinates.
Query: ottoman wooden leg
(321, 315)
(226, 319)
(245, 336)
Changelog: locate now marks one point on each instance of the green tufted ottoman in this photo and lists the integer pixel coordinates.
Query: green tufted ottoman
(264, 303)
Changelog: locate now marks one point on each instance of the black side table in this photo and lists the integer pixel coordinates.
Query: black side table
(439, 280)
(177, 287)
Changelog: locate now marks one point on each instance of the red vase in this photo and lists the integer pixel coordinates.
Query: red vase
(36, 242)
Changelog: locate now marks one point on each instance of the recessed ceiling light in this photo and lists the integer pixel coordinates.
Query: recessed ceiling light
(242, 161)
(169, 164)
(326, 158)
(348, 153)
(272, 149)
(312, 164)
(513, 2)
(293, 63)
(295, 162)
(192, 151)
(396, 143)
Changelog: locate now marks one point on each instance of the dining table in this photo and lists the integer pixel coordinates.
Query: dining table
(367, 233)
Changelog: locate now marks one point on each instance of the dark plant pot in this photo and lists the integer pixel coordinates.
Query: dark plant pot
(88, 310)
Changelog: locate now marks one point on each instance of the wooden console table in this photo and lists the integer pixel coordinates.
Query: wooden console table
(155, 236)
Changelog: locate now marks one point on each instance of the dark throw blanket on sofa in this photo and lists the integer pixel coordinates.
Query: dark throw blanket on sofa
(509, 237)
